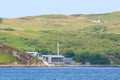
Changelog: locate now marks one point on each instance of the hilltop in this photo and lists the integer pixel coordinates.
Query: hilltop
(93, 33)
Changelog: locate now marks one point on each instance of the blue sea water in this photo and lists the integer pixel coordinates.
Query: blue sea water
(65, 73)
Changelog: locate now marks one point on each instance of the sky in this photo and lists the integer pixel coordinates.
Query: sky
(21, 8)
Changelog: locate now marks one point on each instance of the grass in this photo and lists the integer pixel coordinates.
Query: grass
(75, 33)
(6, 58)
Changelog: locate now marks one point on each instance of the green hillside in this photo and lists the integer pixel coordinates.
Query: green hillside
(7, 58)
(77, 32)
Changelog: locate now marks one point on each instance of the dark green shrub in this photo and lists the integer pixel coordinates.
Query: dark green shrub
(117, 55)
(99, 59)
(93, 58)
(44, 51)
(7, 29)
(96, 28)
(69, 54)
(84, 57)
(116, 62)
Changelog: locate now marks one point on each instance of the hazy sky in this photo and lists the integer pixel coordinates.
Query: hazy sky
(20, 8)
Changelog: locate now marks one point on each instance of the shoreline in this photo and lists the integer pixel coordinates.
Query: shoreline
(57, 66)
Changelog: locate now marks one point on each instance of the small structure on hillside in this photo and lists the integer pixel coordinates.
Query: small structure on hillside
(33, 53)
(96, 20)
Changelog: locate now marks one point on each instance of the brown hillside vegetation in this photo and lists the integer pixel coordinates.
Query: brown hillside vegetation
(21, 57)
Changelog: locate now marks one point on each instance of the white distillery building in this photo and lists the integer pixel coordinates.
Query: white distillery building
(56, 59)
(53, 59)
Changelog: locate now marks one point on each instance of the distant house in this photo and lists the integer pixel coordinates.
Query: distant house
(96, 21)
(33, 53)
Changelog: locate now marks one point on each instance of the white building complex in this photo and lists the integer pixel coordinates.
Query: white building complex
(53, 59)
(57, 59)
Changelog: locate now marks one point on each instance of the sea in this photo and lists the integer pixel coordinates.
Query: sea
(60, 73)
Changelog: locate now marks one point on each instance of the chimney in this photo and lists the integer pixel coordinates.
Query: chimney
(58, 50)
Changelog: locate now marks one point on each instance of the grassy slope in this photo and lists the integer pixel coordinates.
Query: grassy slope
(74, 32)
(7, 58)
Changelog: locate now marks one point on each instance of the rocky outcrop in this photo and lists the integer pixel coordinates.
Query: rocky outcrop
(23, 58)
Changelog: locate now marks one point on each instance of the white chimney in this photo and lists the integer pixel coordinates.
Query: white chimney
(58, 50)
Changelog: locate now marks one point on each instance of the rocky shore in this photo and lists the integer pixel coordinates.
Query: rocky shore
(10, 66)
(28, 66)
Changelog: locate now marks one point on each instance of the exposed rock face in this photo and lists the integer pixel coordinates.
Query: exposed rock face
(112, 58)
(24, 58)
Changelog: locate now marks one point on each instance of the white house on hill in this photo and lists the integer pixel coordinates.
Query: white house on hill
(96, 21)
